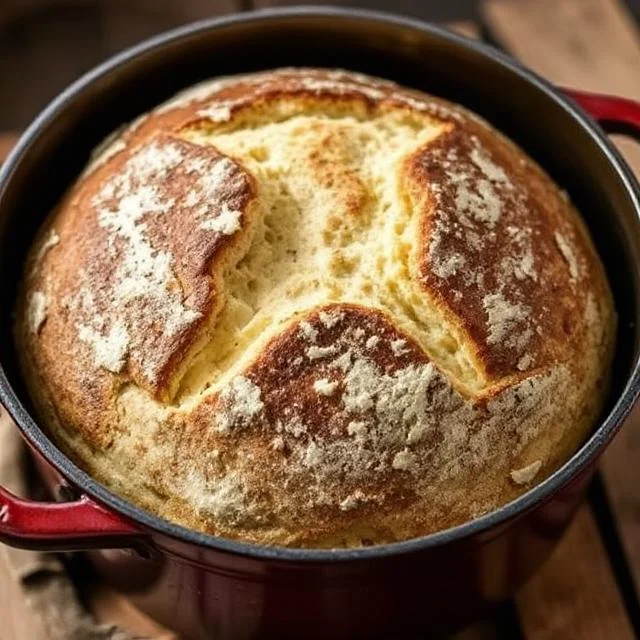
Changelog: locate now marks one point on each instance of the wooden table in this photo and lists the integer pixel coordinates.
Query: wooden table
(589, 588)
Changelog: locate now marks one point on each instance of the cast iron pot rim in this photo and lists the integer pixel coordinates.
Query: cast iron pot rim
(486, 524)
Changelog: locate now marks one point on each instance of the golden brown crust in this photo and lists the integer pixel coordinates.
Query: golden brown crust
(488, 249)
(421, 338)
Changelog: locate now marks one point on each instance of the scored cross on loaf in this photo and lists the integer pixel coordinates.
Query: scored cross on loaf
(309, 307)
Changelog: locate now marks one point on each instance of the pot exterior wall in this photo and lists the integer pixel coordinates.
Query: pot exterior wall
(203, 593)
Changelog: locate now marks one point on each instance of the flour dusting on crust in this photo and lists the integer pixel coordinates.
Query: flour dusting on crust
(36, 311)
(526, 474)
(568, 254)
(241, 402)
(136, 207)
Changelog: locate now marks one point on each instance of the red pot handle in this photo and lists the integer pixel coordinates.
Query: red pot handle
(616, 115)
(63, 526)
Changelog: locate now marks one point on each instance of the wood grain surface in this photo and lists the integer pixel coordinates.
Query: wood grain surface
(111, 607)
(7, 140)
(588, 44)
(17, 622)
(575, 595)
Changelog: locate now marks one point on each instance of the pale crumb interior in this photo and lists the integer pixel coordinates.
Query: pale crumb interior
(344, 236)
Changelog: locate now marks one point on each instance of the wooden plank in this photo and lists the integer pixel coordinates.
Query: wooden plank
(7, 140)
(18, 623)
(588, 44)
(111, 607)
(591, 44)
(574, 595)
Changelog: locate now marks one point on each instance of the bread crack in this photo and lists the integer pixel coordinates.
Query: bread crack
(336, 227)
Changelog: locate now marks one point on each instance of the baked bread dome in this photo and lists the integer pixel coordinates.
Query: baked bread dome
(313, 308)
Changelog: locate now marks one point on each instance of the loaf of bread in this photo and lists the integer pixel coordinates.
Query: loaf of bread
(313, 308)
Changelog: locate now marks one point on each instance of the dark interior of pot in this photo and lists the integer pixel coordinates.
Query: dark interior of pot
(438, 64)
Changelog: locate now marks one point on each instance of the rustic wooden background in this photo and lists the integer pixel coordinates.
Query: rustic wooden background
(589, 588)
(45, 44)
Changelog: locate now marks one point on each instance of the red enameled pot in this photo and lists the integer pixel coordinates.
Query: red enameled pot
(207, 587)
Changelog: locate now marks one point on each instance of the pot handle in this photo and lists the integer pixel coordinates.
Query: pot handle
(614, 114)
(63, 526)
